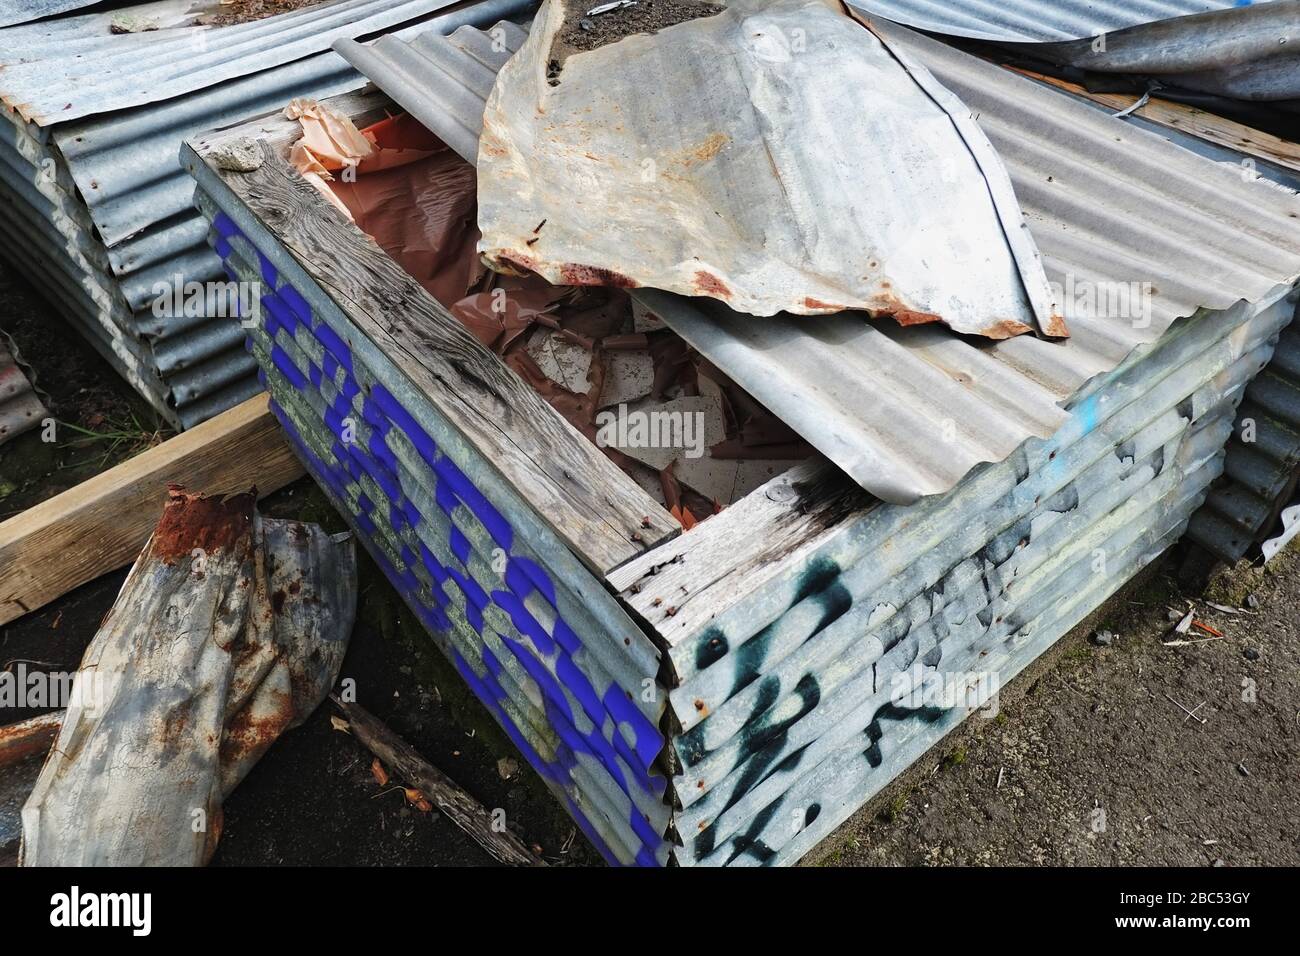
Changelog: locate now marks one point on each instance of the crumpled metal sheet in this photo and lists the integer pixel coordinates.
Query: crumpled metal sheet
(824, 171)
(229, 630)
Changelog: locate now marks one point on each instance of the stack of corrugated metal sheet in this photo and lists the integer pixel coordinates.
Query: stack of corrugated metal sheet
(1255, 503)
(780, 654)
(94, 207)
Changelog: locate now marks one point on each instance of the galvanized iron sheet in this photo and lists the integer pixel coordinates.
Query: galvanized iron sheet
(908, 412)
(772, 193)
(99, 76)
(1255, 503)
(1034, 20)
(100, 192)
(22, 11)
(21, 408)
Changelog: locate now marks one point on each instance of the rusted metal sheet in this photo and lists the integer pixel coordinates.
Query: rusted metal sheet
(229, 630)
(20, 407)
(776, 192)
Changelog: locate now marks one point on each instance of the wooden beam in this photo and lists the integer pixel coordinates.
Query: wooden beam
(1188, 119)
(102, 524)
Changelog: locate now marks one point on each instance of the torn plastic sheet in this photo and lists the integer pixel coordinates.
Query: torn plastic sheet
(229, 630)
(787, 161)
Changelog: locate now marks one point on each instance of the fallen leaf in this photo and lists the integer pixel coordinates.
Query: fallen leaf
(379, 773)
(338, 723)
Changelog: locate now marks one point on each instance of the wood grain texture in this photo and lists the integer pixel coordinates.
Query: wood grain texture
(680, 587)
(443, 792)
(600, 513)
(30, 737)
(102, 524)
(1190, 120)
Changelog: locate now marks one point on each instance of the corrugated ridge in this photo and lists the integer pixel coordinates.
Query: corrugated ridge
(1034, 20)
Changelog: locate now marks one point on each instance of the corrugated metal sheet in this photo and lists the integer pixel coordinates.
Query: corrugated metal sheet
(104, 190)
(73, 80)
(1035, 20)
(21, 11)
(1255, 503)
(21, 408)
(1245, 51)
(909, 412)
(744, 179)
(788, 720)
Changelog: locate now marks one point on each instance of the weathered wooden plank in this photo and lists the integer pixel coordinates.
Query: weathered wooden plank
(461, 808)
(679, 587)
(1189, 119)
(102, 524)
(596, 510)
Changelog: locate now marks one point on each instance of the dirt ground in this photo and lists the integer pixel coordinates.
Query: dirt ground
(1088, 728)
(1093, 759)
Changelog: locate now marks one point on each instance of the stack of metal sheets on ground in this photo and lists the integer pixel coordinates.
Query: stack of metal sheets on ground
(784, 706)
(1256, 502)
(94, 208)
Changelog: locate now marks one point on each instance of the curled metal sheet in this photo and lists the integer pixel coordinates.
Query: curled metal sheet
(255, 613)
(1248, 52)
(775, 192)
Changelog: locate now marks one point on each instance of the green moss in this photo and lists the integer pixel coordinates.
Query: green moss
(954, 758)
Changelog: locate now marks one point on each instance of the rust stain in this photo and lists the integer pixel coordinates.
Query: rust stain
(249, 736)
(1005, 329)
(706, 283)
(705, 151)
(817, 304)
(1056, 327)
(907, 317)
(214, 524)
(573, 273)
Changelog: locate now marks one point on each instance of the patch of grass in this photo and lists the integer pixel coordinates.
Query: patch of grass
(1080, 652)
(120, 439)
(894, 809)
(953, 758)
